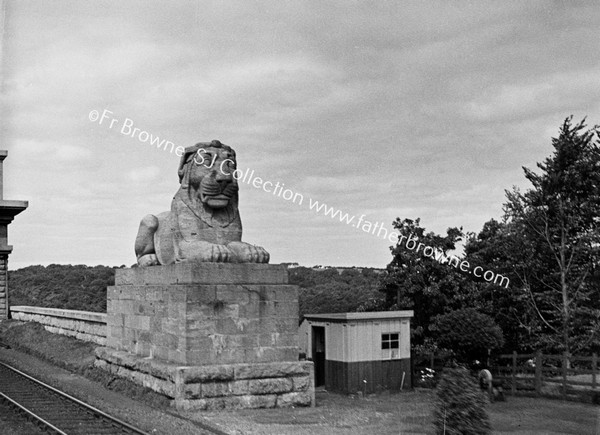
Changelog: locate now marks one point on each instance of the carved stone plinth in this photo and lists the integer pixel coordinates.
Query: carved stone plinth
(172, 327)
(220, 386)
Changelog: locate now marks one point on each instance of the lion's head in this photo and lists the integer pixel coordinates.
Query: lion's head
(206, 175)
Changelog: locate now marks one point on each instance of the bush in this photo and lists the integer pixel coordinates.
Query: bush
(460, 406)
(468, 333)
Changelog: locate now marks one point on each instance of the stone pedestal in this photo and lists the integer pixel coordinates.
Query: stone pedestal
(210, 335)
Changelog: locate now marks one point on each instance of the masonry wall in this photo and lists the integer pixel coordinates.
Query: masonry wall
(211, 387)
(208, 313)
(83, 325)
(208, 335)
(3, 287)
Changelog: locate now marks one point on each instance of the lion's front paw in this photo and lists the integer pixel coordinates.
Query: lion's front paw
(148, 260)
(219, 254)
(247, 253)
(204, 251)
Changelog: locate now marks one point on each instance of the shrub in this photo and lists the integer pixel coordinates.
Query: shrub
(468, 333)
(460, 406)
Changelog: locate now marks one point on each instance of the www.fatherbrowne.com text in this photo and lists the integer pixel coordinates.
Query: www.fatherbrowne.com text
(279, 190)
(377, 229)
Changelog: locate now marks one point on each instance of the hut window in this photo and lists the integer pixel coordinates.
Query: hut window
(390, 341)
(390, 344)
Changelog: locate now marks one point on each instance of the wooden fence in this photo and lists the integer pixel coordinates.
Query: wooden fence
(550, 375)
(536, 374)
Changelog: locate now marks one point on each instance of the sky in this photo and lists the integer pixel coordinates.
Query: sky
(387, 109)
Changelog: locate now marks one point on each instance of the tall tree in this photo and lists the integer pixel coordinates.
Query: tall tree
(419, 282)
(556, 227)
(497, 247)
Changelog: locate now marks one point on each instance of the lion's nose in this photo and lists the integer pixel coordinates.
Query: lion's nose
(223, 184)
(223, 177)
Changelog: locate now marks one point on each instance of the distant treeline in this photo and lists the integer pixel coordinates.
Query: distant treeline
(70, 287)
(80, 287)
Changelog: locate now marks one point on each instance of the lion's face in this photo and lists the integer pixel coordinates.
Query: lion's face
(211, 176)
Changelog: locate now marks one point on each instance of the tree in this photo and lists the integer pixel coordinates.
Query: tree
(419, 282)
(498, 248)
(549, 244)
(560, 217)
(468, 333)
(77, 287)
(328, 291)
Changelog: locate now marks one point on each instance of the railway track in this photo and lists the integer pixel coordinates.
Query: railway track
(53, 411)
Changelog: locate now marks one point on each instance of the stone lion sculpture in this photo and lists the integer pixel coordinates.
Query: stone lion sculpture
(204, 222)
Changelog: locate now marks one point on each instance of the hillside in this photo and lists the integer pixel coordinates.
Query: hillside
(80, 287)
(76, 287)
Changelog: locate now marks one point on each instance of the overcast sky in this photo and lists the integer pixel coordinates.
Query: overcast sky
(388, 109)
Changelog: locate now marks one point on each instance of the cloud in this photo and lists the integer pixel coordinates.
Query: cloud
(144, 175)
(400, 109)
(551, 94)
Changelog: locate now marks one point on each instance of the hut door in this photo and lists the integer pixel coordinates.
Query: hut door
(318, 353)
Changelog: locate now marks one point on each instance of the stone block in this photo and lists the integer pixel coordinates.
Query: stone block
(203, 327)
(157, 293)
(232, 294)
(173, 326)
(276, 339)
(222, 356)
(272, 370)
(271, 354)
(201, 374)
(270, 386)
(144, 308)
(200, 342)
(177, 356)
(232, 402)
(193, 391)
(252, 402)
(176, 309)
(115, 320)
(142, 323)
(123, 306)
(203, 273)
(115, 332)
(166, 340)
(215, 389)
(160, 352)
(200, 357)
(200, 294)
(239, 388)
(301, 383)
(295, 399)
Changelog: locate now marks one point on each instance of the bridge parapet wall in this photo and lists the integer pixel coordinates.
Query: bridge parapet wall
(83, 325)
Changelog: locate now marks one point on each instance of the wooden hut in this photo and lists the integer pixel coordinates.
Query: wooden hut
(354, 352)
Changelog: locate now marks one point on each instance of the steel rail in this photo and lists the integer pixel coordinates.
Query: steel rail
(32, 414)
(74, 400)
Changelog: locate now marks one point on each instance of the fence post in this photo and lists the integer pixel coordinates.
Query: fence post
(538, 372)
(594, 369)
(564, 373)
(513, 387)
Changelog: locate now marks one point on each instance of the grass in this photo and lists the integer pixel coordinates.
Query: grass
(406, 413)
(74, 355)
